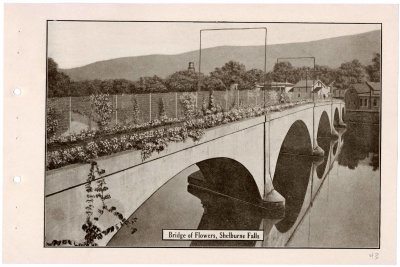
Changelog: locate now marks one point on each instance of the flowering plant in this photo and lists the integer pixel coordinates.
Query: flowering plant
(51, 122)
(102, 106)
(97, 196)
(152, 139)
(188, 103)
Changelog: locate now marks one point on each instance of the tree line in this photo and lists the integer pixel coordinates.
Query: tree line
(221, 78)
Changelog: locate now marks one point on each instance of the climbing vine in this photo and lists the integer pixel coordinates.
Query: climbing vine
(97, 198)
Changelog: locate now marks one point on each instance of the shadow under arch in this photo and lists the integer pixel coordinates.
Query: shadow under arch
(222, 176)
(336, 118)
(230, 199)
(297, 140)
(324, 126)
(292, 172)
(228, 177)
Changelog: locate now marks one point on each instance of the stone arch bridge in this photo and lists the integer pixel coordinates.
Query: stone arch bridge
(242, 154)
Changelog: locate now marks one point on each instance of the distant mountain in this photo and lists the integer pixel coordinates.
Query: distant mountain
(330, 52)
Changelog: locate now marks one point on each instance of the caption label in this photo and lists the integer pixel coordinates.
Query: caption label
(212, 235)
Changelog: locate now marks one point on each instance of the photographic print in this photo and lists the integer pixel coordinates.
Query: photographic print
(212, 134)
(199, 133)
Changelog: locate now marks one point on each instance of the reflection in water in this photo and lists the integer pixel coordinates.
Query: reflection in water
(332, 220)
(224, 213)
(291, 178)
(361, 141)
(336, 146)
(324, 143)
(228, 177)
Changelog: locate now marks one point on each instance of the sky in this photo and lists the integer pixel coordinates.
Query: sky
(73, 44)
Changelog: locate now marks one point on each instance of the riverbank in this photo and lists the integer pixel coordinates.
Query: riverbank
(362, 116)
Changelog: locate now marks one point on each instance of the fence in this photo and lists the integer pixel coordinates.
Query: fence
(70, 111)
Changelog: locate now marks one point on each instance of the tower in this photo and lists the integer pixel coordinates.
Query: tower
(191, 67)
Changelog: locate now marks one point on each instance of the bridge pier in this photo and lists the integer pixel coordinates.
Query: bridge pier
(334, 133)
(342, 124)
(273, 197)
(228, 177)
(317, 150)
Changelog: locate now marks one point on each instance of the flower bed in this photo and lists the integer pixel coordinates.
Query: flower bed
(95, 144)
(87, 135)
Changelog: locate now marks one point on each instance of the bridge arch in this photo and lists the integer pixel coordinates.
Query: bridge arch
(228, 177)
(292, 136)
(292, 172)
(336, 118)
(324, 126)
(297, 140)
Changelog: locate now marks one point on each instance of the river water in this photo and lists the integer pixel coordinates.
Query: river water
(332, 202)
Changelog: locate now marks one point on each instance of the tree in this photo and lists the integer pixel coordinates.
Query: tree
(325, 74)
(232, 72)
(212, 83)
(120, 86)
(283, 72)
(374, 70)
(252, 77)
(58, 83)
(151, 84)
(182, 81)
(350, 73)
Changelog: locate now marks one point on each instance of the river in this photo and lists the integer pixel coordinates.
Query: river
(332, 202)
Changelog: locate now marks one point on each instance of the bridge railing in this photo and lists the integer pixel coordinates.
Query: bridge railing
(72, 112)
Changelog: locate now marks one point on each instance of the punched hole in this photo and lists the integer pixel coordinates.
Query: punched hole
(17, 91)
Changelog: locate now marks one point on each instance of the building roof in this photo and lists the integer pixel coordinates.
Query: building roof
(307, 83)
(281, 84)
(367, 87)
(287, 84)
(376, 86)
(361, 88)
(316, 89)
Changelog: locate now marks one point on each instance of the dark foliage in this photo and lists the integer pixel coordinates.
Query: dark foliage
(232, 72)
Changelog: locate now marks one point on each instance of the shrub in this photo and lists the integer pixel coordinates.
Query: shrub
(286, 97)
(188, 103)
(162, 115)
(102, 107)
(51, 122)
(213, 107)
(135, 111)
(271, 98)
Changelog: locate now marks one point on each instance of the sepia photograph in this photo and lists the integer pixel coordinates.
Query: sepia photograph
(200, 133)
(184, 134)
